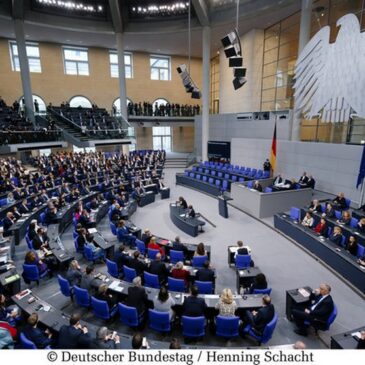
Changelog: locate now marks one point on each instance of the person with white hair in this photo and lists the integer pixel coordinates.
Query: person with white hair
(137, 296)
(105, 339)
(318, 313)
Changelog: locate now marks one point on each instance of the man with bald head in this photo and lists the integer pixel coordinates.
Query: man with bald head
(317, 313)
(157, 267)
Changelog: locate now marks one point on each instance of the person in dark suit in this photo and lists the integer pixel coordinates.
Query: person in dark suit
(137, 264)
(23, 207)
(339, 202)
(242, 250)
(8, 221)
(205, 273)
(74, 336)
(51, 215)
(318, 313)
(259, 319)
(311, 182)
(122, 258)
(336, 235)
(191, 212)
(158, 268)
(105, 340)
(257, 186)
(303, 179)
(41, 240)
(315, 206)
(40, 338)
(137, 296)
(361, 226)
(182, 202)
(146, 236)
(194, 306)
(177, 245)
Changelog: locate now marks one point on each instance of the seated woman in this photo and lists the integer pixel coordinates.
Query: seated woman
(308, 220)
(8, 314)
(315, 206)
(345, 219)
(123, 234)
(200, 250)
(31, 258)
(260, 283)
(178, 272)
(103, 294)
(352, 245)
(154, 246)
(321, 228)
(226, 305)
(73, 274)
(339, 202)
(336, 235)
(163, 302)
(98, 253)
(330, 211)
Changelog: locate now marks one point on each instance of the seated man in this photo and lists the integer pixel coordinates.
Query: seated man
(105, 339)
(259, 319)
(177, 245)
(88, 280)
(205, 273)
(158, 268)
(40, 338)
(137, 264)
(315, 206)
(40, 240)
(122, 258)
(339, 202)
(137, 296)
(194, 306)
(345, 219)
(191, 212)
(74, 336)
(303, 179)
(318, 313)
(98, 253)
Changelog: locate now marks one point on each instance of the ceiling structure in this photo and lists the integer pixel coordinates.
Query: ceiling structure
(146, 27)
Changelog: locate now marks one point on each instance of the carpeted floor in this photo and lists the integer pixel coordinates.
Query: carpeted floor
(285, 265)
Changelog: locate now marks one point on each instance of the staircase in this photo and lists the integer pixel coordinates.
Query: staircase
(176, 161)
(71, 130)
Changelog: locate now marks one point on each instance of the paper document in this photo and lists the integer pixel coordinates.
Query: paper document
(304, 292)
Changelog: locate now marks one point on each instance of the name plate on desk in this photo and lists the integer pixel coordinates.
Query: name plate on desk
(304, 292)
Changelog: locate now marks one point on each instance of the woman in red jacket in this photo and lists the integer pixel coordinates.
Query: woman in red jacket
(321, 228)
(154, 246)
(178, 272)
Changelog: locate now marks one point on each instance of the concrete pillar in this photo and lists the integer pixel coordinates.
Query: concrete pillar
(304, 37)
(24, 68)
(205, 92)
(121, 70)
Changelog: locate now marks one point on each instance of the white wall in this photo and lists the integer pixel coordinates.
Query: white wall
(248, 97)
(334, 166)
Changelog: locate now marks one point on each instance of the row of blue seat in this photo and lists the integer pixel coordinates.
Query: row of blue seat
(222, 184)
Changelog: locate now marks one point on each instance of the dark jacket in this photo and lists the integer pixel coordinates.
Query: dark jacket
(121, 258)
(101, 344)
(263, 317)
(37, 242)
(73, 338)
(323, 310)
(336, 239)
(137, 265)
(73, 276)
(178, 246)
(137, 298)
(194, 307)
(159, 268)
(204, 274)
(36, 335)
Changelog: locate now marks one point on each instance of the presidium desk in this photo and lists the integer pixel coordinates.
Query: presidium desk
(262, 205)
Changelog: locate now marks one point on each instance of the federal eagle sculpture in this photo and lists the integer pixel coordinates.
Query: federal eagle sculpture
(330, 78)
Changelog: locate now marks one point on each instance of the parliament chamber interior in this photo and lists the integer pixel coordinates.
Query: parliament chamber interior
(182, 174)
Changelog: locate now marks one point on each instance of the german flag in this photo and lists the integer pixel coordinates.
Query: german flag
(273, 150)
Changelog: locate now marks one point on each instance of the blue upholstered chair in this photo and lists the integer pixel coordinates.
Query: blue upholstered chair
(193, 327)
(159, 321)
(266, 334)
(227, 326)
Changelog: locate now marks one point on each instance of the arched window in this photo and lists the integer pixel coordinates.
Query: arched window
(36, 98)
(77, 101)
(116, 104)
(160, 102)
